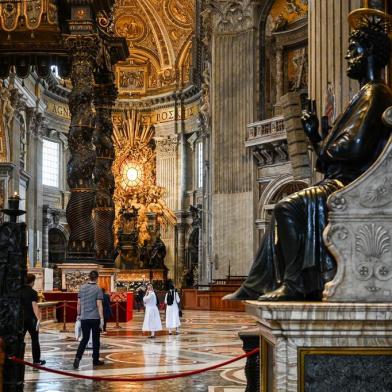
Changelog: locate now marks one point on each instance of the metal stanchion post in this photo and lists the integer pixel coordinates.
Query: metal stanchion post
(117, 323)
(64, 317)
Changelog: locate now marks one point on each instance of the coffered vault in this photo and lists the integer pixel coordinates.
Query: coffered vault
(159, 35)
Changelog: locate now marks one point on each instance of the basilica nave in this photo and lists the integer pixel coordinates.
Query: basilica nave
(233, 154)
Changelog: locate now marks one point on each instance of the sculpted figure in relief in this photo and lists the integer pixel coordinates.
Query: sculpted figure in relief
(292, 262)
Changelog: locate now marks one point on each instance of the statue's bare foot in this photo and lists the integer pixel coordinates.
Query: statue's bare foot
(241, 294)
(283, 293)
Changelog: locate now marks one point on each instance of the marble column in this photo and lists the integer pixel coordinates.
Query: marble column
(36, 130)
(82, 152)
(104, 211)
(179, 261)
(167, 174)
(204, 120)
(45, 239)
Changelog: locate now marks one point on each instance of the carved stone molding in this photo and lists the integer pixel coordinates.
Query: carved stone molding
(232, 16)
(18, 101)
(74, 279)
(271, 153)
(6, 108)
(37, 122)
(167, 147)
(359, 236)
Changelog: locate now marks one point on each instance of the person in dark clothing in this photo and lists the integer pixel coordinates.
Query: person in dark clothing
(107, 310)
(90, 311)
(32, 317)
(139, 299)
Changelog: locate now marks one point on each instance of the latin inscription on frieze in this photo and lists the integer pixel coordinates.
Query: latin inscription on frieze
(58, 109)
(169, 115)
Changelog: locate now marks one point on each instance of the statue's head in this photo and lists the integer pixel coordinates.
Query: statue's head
(368, 40)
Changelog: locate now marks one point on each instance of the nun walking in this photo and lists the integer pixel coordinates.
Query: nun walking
(172, 299)
(152, 319)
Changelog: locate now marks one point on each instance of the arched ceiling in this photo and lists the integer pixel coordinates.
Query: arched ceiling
(159, 35)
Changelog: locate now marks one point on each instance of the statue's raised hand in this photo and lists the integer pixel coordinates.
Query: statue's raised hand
(310, 124)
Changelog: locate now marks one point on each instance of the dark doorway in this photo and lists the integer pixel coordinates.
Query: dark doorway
(57, 246)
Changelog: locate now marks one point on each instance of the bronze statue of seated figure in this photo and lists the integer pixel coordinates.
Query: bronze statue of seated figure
(292, 262)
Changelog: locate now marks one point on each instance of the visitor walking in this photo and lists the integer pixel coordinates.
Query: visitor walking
(172, 299)
(32, 317)
(107, 309)
(152, 319)
(90, 311)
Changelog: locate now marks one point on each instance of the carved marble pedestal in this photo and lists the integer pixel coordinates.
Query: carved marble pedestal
(73, 275)
(324, 346)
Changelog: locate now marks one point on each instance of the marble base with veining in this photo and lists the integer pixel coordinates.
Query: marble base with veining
(290, 326)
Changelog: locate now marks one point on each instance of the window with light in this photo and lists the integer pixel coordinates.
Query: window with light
(51, 163)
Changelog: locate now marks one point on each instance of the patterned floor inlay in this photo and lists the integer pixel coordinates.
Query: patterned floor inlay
(206, 338)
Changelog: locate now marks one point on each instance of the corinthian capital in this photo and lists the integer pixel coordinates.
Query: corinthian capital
(37, 122)
(167, 146)
(83, 46)
(231, 15)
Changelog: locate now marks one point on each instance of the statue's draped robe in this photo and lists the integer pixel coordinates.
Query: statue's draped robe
(296, 254)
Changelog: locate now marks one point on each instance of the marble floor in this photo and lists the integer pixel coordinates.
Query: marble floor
(205, 339)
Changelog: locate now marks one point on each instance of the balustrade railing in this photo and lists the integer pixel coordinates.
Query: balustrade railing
(265, 131)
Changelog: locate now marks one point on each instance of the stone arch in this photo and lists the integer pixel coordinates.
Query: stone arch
(276, 190)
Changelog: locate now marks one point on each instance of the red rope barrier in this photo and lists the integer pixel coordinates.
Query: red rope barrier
(135, 379)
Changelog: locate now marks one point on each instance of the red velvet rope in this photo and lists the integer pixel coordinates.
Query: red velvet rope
(134, 379)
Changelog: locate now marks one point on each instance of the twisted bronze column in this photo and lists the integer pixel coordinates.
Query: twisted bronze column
(105, 96)
(82, 161)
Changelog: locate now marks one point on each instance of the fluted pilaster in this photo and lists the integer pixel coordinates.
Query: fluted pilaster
(328, 42)
(234, 103)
